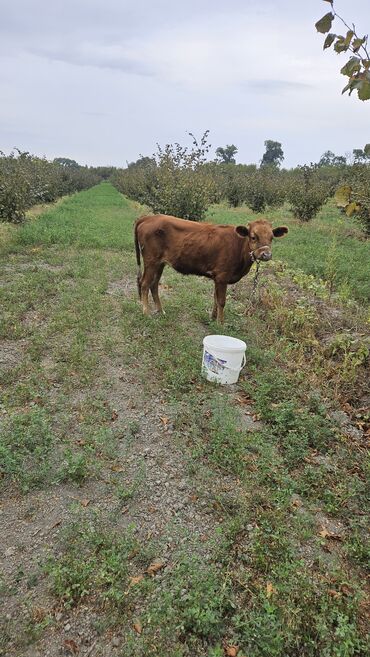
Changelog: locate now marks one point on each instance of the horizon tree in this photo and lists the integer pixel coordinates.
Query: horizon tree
(273, 155)
(227, 155)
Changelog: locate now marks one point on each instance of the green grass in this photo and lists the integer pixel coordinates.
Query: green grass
(267, 581)
(96, 218)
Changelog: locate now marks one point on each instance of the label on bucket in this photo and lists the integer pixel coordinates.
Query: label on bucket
(215, 365)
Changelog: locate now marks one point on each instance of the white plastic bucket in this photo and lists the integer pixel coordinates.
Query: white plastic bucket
(223, 358)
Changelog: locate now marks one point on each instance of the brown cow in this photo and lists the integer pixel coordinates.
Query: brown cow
(223, 253)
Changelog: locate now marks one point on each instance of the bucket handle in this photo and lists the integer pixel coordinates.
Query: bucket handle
(227, 367)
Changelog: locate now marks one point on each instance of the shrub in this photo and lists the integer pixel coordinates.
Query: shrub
(264, 188)
(307, 192)
(354, 196)
(176, 181)
(234, 179)
(26, 180)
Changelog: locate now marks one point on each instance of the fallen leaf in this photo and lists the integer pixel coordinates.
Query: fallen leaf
(165, 420)
(84, 502)
(325, 534)
(269, 590)
(117, 468)
(231, 651)
(152, 509)
(334, 594)
(80, 441)
(297, 503)
(71, 646)
(114, 415)
(136, 580)
(38, 614)
(138, 627)
(245, 399)
(154, 567)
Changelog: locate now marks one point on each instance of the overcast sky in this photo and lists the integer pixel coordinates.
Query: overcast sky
(102, 82)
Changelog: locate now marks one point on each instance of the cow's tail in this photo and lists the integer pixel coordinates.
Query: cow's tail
(137, 249)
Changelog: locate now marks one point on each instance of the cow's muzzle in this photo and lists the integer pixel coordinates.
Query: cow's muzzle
(265, 256)
(263, 253)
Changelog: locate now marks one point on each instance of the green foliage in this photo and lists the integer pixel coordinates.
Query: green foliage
(307, 192)
(231, 180)
(25, 442)
(66, 162)
(354, 195)
(330, 159)
(195, 601)
(94, 561)
(227, 154)
(264, 188)
(361, 155)
(273, 155)
(26, 180)
(357, 69)
(74, 467)
(176, 181)
(296, 427)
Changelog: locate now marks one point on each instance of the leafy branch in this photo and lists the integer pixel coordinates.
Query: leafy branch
(357, 69)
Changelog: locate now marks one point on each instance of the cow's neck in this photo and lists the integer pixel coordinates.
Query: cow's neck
(243, 263)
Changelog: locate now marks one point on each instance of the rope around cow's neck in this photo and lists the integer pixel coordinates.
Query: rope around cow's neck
(255, 280)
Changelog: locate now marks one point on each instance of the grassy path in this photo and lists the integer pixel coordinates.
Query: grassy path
(146, 512)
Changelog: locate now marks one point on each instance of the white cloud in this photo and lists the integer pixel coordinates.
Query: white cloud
(103, 82)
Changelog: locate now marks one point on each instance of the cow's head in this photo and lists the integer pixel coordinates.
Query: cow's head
(260, 234)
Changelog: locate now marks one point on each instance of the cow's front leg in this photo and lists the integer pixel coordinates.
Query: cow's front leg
(220, 293)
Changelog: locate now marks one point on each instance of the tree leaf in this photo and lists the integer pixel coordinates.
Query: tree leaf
(71, 646)
(270, 589)
(329, 40)
(367, 150)
(231, 651)
(340, 45)
(363, 90)
(348, 38)
(352, 66)
(357, 43)
(324, 24)
(154, 567)
(138, 627)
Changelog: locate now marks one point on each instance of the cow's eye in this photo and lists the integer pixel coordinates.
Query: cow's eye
(253, 237)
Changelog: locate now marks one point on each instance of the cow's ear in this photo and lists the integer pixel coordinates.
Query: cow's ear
(242, 231)
(280, 231)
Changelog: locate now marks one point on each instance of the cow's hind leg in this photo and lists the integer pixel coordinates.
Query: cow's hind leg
(220, 295)
(214, 311)
(154, 290)
(147, 281)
